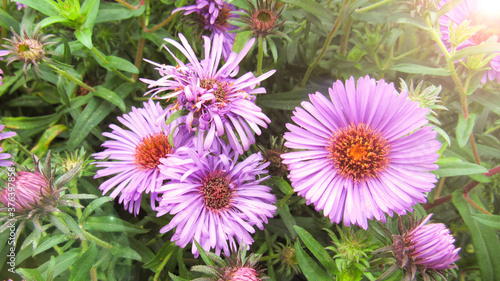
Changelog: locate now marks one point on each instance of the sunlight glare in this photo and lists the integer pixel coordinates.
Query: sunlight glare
(489, 8)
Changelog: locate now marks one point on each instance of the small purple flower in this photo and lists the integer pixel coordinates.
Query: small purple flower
(471, 10)
(19, 6)
(424, 248)
(217, 102)
(362, 154)
(5, 135)
(137, 152)
(214, 16)
(214, 199)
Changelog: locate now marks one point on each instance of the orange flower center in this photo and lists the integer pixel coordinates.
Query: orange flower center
(219, 88)
(358, 152)
(151, 149)
(491, 27)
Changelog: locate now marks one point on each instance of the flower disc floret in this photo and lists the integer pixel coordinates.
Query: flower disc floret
(362, 154)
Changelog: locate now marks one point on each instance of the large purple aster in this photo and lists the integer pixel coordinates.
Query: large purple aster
(137, 151)
(215, 199)
(4, 156)
(213, 16)
(217, 102)
(362, 154)
(472, 10)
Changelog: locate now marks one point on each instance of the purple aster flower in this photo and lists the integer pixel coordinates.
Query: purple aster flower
(213, 16)
(472, 10)
(215, 199)
(362, 154)
(217, 102)
(19, 6)
(424, 248)
(30, 189)
(137, 151)
(5, 135)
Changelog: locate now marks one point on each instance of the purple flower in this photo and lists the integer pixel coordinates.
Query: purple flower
(362, 154)
(472, 10)
(424, 248)
(214, 199)
(5, 135)
(137, 152)
(30, 189)
(214, 16)
(217, 102)
(19, 6)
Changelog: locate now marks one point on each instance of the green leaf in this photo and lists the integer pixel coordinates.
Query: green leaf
(203, 254)
(483, 48)
(176, 278)
(63, 262)
(27, 123)
(110, 96)
(489, 220)
(283, 101)
(316, 249)
(111, 224)
(84, 35)
(288, 219)
(125, 252)
(176, 114)
(51, 242)
(120, 64)
(30, 274)
(92, 206)
(419, 69)
(51, 20)
(240, 40)
(70, 222)
(464, 129)
(309, 267)
(89, 11)
(47, 137)
(82, 267)
(312, 7)
(115, 12)
(165, 252)
(7, 21)
(484, 238)
(47, 7)
(282, 184)
(459, 169)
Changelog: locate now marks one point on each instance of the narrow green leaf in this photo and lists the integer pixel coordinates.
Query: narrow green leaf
(84, 35)
(309, 267)
(484, 238)
(125, 252)
(47, 7)
(464, 129)
(59, 223)
(7, 21)
(93, 206)
(82, 267)
(51, 242)
(316, 249)
(165, 252)
(176, 114)
(30, 274)
(89, 11)
(459, 169)
(115, 12)
(483, 48)
(121, 64)
(282, 184)
(240, 40)
(489, 220)
(419, 69)
(27, 123)
(70, 222)
(47, 137)
(111, 224)
(51, 20)
(288, 219)
(312, 7)
(110, 96)
(203, 254)
(176, 278)
(63, 262)
(95, 111)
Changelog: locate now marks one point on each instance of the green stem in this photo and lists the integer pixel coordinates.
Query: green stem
(260, 55)
(138, 57)
(269, 257)
(70, 77)
(162, 265)
(97, 241)
(130, 6)
(371, 7)
(325, 46)
(20, 146)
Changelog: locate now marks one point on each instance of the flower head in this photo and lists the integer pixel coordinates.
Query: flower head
(487, 26)
(424, 248)
(214, 199)
(263, 19)
(3, 156)
(217, 103)
(362, 154)
(237, 267)
(214, 15)
(137, 151)
(30, 49)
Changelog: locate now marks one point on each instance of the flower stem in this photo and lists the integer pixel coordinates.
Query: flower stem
(371, 7)
(440, 187)
(162, 265)
(20, 146)
(70, 77)
(260, 56)
(138, 57)
(325, 46)
(130, 6)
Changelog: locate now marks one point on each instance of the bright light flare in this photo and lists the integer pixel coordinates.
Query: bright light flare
(489, 8)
